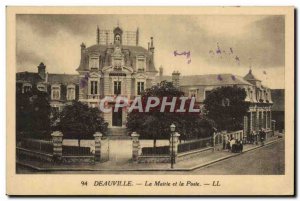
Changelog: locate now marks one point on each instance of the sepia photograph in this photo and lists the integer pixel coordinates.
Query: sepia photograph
(152, 94)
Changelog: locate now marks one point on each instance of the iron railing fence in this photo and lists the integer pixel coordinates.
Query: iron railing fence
(37, 145)
(161, 150)
(76, 151)
(198, 144)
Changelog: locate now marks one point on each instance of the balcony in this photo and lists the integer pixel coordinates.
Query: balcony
(94, 96)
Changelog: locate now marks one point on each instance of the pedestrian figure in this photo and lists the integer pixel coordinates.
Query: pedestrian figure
(225, 141)
(255, 138)
(232, 142)
(262, 136)
(239, 146)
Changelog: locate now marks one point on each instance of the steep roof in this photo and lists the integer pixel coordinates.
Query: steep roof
(133, 49)
(52, 78)
(63, 78)
(207, 80)
(278, 99)
(158, 78)
(136, 49)
(250, 76)
(29, 77)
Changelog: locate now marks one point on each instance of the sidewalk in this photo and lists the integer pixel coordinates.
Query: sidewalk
(186, 165)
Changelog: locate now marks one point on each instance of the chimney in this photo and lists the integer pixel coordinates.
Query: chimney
(106, 38)
(137, 36)
(98, 35)
(82, 53)
(42, 70)
(161, 71)
(151, 45)
(175, 79)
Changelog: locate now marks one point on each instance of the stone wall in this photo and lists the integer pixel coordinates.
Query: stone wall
(154, 159)
(78, 159)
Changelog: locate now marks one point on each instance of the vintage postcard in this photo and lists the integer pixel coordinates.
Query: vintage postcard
(171, 101)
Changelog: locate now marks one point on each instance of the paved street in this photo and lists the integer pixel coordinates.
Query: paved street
(267, 160)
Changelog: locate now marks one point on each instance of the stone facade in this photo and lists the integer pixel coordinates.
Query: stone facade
(112, 68)
(259, 96)
(117, 66)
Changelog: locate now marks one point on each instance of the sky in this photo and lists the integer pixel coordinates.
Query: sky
(217, 43)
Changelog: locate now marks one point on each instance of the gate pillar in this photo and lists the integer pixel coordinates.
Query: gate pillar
(97, 155)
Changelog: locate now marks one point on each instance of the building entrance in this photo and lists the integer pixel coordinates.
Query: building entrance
(117, 117)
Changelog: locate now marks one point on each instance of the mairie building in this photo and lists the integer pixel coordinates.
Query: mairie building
(118, 66)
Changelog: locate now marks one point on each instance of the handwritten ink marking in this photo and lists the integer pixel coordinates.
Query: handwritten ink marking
(84, 81)
(187, 54)
(220, 78)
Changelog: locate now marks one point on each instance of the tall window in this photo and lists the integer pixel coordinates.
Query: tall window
(71, 93)
(140, 87)
(193, 93)
(117, 87)
(55, 93)
(94, 87)
(207, 93)
(141, 64)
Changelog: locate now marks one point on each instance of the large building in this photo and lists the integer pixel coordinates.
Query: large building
(278, 108)
(117, 66)
(259, 96)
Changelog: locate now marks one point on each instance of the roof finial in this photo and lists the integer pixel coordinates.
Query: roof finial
(98, 35)
(250, 65)
(118, 23)
(137, 36)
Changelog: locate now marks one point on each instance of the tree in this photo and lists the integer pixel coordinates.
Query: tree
(79, 121)
(156, 125)
(227, 107)
(33, 114)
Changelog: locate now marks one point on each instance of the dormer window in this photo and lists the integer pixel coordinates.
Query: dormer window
(41, 87)
(140, 64)
(94, 63)
(26, 87)
(118, 38)
(71, 92)
(55, 92)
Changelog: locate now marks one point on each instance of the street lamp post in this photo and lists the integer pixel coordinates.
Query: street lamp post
(172, 128)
